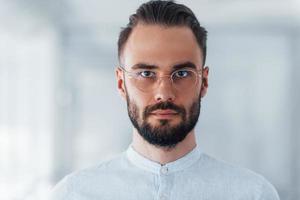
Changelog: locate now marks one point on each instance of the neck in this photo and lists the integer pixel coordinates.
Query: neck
(160, 154)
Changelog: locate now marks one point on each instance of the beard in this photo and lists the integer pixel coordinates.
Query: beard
(164, 135)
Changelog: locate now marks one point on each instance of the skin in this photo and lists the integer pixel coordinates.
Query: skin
(163, 47)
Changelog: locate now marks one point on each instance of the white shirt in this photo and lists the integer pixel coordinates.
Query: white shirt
(195, 176)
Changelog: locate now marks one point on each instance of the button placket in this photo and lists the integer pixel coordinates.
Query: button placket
(164, 185)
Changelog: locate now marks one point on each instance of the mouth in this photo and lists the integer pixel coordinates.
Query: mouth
(164, 114)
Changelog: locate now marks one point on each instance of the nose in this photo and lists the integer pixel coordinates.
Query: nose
(164, 91)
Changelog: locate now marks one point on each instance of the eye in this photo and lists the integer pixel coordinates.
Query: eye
(146, 74)
(181, 73)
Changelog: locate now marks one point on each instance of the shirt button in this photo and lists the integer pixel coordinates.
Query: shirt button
(164, 170)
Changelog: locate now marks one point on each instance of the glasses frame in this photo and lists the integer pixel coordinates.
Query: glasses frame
(134, 75)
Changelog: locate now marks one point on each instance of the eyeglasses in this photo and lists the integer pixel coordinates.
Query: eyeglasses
(147, 80)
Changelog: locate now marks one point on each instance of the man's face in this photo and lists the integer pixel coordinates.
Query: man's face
(164, 115)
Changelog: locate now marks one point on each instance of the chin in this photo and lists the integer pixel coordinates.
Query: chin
(164, 123)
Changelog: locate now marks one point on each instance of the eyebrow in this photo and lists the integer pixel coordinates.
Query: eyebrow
(187, 64)
(144, 66)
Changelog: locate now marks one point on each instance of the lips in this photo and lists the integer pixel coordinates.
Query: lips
(164, 112)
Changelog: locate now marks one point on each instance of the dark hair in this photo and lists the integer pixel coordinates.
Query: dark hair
(166, 13)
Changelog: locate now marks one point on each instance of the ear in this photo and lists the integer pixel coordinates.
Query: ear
(120, 82)
(204, 85)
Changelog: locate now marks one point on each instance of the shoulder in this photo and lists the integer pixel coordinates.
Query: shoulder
(235, 178)
(221, 169)
(86, 179)
(104, 168)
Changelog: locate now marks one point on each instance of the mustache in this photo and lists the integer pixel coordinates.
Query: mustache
(163, 106)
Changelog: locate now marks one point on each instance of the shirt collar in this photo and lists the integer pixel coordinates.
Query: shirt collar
(180, 164)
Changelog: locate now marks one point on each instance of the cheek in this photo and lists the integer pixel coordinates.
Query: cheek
(190, 98)
(139, 97)
(141, 100)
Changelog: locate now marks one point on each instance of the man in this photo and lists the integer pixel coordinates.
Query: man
(162, 76)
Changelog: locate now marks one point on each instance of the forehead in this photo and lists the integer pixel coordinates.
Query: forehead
(161, 46)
